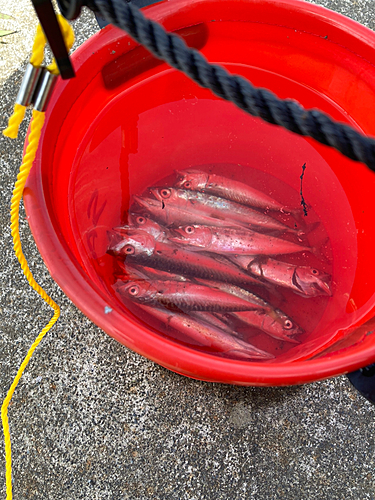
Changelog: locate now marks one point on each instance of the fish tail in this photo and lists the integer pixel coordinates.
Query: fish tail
(288, 339)
(281, 336)
(308, 229)
(249, 354)
(318, 251)
(298, 213)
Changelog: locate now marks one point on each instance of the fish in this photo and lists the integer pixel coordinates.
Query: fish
(135, 272)
(275, 318)
(213, 320)
(221, 208)
(304, 280)
(139, 247)
(142, 221)
(171, 215)
(275, 323)
(252, 298)
(198, 180)
(181, 296)
(208, 335)
(128, 242)
(224, 241)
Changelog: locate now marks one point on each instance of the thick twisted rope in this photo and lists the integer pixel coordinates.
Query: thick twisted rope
(255, 101)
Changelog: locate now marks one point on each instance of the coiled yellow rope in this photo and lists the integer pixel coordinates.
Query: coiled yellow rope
(33, 142)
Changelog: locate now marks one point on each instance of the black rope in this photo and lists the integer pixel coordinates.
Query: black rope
(255, 101)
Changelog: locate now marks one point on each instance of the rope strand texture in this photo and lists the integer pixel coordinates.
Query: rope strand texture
(255, 101)
(15, 121)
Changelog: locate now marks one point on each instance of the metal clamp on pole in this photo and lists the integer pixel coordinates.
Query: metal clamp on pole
(44, 90)
(36, 87)
(30, 80)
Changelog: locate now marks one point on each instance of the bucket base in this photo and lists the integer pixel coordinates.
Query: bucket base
(364, 381)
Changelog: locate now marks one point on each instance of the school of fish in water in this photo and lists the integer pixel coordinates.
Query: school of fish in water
(192, 254)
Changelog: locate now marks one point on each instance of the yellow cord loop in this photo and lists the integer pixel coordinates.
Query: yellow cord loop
(28, 159)
(36, 59)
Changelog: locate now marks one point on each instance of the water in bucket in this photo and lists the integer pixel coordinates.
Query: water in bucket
(184, 127)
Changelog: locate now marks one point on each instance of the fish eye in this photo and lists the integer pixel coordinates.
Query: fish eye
(189, 229)
(187, 184)
(141, 220)
(315, 272)
(288, 325)
(134, 290)
(129, 249)
(165, 193)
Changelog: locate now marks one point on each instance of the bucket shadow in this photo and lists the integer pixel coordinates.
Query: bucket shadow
(257, 397)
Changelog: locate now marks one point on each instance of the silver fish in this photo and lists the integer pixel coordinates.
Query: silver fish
(271, 320)
(220, 208)
(303, 280)
(158, 232)
(170, 215)
(181, 296)
(198, 180)
(143, 222)
(133, 272)
(213, 320)
(207, 335)
(275, 323)
(252, 298)
(141, 248)
(233, 241)
(128, 242)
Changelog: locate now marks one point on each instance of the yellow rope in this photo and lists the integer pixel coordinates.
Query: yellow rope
(36, 127)
(33, 142)
(37, 53)
(15, 121)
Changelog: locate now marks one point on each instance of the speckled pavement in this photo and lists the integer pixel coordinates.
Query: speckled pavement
(92, 420)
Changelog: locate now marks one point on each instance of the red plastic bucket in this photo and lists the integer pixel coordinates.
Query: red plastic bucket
(128, 120)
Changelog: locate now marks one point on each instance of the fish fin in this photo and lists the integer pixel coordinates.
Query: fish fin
(288, 339)
(215, 216)
(123, 229)
(256, 354)
(298, 213)
(180, 173)
(318, 251)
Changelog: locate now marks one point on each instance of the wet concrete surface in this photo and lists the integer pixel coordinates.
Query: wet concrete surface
(93, 420)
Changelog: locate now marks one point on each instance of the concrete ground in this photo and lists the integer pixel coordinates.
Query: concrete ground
(92, 420)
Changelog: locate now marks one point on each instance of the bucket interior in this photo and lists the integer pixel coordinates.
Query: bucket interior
(135, 121)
